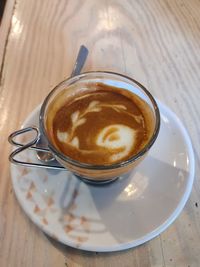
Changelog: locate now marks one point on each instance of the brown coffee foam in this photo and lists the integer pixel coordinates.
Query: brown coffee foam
(66, 97)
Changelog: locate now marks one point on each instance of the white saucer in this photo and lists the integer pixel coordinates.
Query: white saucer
(121, 215)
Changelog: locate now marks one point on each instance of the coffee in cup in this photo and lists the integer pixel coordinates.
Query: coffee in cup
(99, 125)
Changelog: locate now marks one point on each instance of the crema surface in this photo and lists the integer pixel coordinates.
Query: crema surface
(101, 127)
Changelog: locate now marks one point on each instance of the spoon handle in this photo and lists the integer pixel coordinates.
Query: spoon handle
(80, 60)
(42, 151)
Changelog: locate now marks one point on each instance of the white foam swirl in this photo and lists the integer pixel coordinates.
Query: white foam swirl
(117, 136)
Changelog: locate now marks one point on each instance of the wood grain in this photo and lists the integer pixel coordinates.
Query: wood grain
(156, 42)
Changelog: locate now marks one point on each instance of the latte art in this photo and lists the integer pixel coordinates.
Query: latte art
(119, 138)
(103, 127)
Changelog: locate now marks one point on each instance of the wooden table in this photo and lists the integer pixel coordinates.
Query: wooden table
(156, 42)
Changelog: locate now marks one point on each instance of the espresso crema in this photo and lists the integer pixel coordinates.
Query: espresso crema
(101, 126)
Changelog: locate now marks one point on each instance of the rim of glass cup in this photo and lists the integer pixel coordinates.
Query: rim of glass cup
(76, 163)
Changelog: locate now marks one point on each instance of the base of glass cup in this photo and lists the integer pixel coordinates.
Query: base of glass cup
(97, 182)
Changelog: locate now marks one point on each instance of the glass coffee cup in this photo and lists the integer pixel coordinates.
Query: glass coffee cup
(68, 89)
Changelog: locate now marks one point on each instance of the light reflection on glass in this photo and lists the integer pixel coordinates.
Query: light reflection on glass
(17, 27)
